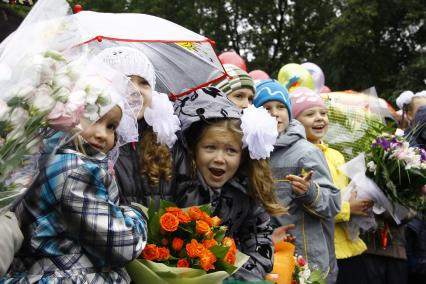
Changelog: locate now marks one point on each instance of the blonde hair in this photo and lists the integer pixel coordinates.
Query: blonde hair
(156, 159)
(260, 178)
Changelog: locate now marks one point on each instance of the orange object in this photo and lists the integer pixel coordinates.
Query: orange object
(283, 264)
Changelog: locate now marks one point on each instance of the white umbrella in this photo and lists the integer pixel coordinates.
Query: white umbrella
(183, 60)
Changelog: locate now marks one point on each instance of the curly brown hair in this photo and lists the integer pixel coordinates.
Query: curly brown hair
(259, 171)
(155, 158)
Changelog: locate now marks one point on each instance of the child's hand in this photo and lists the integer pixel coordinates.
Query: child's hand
(300, 184)
(281, 234)
(359, 207)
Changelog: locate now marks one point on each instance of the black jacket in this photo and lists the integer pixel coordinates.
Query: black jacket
(247, 222)
(133, 186)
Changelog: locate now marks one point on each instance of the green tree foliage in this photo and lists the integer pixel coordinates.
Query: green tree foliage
(357, 43)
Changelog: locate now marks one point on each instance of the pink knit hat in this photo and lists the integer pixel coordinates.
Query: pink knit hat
(303, 98)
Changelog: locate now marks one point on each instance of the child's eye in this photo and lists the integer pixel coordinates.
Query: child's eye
(209, 147)
(112, 126)
(232, 151)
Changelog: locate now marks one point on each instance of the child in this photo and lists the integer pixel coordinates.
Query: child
(74, 231)
(218, 170)
(309, 109)
(312, 204)
(144, 169)
(239, 88)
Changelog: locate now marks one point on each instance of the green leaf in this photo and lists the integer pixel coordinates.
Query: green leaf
(154, 228)
(164, 204)
(219, 251)
(316, 277)
(223, 265)
(220, 235)
(207, 208)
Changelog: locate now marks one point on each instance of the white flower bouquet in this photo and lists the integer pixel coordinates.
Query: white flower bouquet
(56, 96)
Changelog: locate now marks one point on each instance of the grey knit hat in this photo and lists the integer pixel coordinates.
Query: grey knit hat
(203, 104)
(240, 79)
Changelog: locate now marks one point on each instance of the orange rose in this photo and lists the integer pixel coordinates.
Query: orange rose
(230, 256)
(174, 210)
(182, 216)
(209, 243)
(195, 213)
(182, 263)
(169, 222)
(194, 249)
(150, 252)
(229, 242)
(202, 227)
(163, 253)
(177, 244)
(206, 218)
(216, 221)
(209, 235)
(207, 259)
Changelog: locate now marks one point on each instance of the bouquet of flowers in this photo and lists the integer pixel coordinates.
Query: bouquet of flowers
(391, 174)
(398, 169)
(55, 95)
(185, 246)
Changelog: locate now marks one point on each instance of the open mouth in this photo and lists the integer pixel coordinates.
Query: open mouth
(318, 127)
(217, 173)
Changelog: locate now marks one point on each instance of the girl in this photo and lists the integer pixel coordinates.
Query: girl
(312, 203)
(74, 230)
(216, 169)
(310, 110)
(144, 169)
(239, 87)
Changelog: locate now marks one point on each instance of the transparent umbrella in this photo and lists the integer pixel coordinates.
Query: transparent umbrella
(183, 60)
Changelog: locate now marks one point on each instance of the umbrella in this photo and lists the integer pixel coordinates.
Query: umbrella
(184, 60)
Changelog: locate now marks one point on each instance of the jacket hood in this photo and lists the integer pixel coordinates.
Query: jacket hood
(295, 132)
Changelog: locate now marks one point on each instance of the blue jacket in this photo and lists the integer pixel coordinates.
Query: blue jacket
(72, 225)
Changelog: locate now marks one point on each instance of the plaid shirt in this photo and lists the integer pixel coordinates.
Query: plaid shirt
(74, 229)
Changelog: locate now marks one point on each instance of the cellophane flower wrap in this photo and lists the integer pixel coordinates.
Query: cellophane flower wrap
(185, 246)
(51, 83)
(398, 169)
(391, 174)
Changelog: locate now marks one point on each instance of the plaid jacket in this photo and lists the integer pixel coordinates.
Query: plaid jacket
(74, 230)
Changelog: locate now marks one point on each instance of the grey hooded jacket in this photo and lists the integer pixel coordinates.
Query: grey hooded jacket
(313, 212)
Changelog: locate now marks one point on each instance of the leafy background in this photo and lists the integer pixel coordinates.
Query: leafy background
(357, 43)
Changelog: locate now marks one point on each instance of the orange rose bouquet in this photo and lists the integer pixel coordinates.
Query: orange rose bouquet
(185, 246)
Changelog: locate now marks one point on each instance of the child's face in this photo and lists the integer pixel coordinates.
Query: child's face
(101, 134)
(242, 98)
(218, 155)
(145, 89)
(279, 111)
(315, 121)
